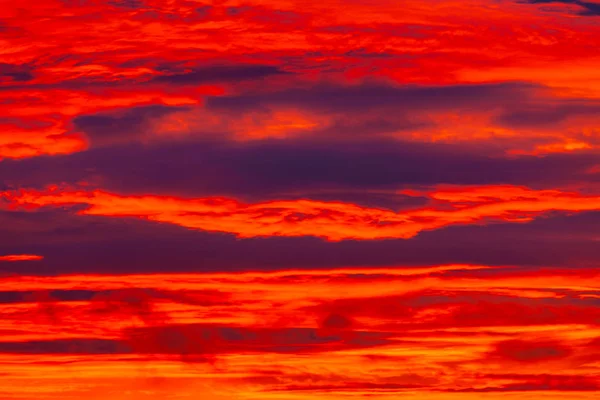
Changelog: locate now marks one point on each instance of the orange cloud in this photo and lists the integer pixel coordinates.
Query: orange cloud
(92, 64)
(330, 220)
(20, 257)
(435, 332)
(42, 125)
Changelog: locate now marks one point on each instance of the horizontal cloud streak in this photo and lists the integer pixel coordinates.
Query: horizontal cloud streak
(394, 329)
(333, 221)
(20, 257)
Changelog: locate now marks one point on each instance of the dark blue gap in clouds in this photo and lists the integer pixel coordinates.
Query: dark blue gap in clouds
(95, 244)
(267, 169)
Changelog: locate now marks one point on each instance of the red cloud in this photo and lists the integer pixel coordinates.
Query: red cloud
(531, 351)
(21, 257)
(333, 221)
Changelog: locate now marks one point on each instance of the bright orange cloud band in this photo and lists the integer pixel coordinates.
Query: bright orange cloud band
(20, 257)
(331, 220)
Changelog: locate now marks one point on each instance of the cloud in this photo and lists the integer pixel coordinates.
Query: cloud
(67, 346)
(332, 221)
(464, 308)
(96, 244)
(587, 8)
(122, 125)
(118, 298)
(23, 138)
(202, 340)
(300, 199)
(220, 73)
(130, 4)
(530, 115)
(531, 352)
(368, 96)
(544, 116)
(336, 321)
(412, 339)
(206, 340)
(20, 257)
(544, 383)
(15, 73)
(253, 172)
(504, 117)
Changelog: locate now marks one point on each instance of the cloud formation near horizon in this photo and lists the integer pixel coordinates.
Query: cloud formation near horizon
(397, 330)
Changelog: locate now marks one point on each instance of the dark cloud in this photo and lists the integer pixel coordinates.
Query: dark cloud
(131, 4)
(122, 125)
(336, 321)
(378, 96)
(209, 339)
(355, 386)
(588, 9)
(196, 339)
(170, 73)
(124, 4)
(545, 115)
(66, 346)
(204, 11)
(531, 351)
(222, 73)
(15, 73)
(268, 16)
(124, 296)
(395, 108)
(461, 308)
(560, 383)
(35, 296)
(94, 244)
(354, 112)
(525, 383)
(272, 168)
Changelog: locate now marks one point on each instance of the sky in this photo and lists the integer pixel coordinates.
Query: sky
(299, 199)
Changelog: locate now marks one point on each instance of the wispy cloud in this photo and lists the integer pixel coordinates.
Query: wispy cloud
(20, 257)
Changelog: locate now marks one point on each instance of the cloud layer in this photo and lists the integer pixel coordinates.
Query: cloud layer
(282, 200)
(439, 329)
(332, 221)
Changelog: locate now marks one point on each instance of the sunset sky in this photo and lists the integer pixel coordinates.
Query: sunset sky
(299, 199)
